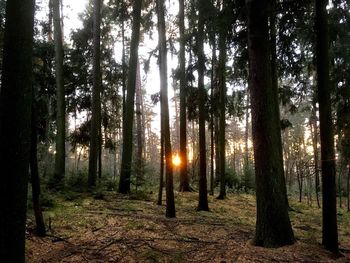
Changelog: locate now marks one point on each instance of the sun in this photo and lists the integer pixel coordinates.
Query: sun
(176, 160)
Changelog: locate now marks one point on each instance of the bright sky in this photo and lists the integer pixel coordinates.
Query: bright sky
(151, 83)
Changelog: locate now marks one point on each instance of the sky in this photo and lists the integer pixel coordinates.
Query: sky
(151, 82)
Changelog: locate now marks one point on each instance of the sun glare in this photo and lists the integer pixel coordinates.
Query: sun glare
(176, 160)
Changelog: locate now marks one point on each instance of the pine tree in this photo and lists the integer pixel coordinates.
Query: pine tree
(273, 227)
(15, 127)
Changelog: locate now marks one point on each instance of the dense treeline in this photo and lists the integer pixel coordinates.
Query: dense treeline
(260, 103)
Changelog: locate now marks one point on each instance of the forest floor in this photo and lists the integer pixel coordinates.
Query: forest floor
(132, 229)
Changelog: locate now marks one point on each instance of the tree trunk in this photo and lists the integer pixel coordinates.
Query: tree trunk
(165, 129)
(60, 95)
(128, 118)
(348, 188)
(213, 87)
(314, 135)
(184, 178)
(15, 126)
(34, 175)
(95, 133)
(222, 100)
(329, 202)
(140, 144)
(49, 31)
(273, 227)
(161, 171)
(203, 192)
(274, 73)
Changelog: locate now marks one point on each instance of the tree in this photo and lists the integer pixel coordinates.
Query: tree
(95, 138)
(34, 173)
(203, 192)
(164, 111)
(60, 95)
(184, 178)
(128, 117)
(329, 204)
(15, 123)
(139, 164)
(273, 227)
(222, 97)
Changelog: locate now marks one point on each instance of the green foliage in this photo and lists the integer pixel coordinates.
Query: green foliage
(109, 184)
(77, 182)
(248, 177)
(47, 200)
(231, 178)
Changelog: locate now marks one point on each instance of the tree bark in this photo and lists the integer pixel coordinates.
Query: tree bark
(212, 89)
(34, 175)
(222, 99)
(348, 188)
(329, 202)
(15, 126)
(203, 192)
(161, 171)
(95, 133)
(165, 129)
(140, 144)
(273, 227)
(184, 178)
(128, 120)
(314, 135)
(60, 96)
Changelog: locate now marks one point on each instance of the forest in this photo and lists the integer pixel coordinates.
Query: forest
(174, 131)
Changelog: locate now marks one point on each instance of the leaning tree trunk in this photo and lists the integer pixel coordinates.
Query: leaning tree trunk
(203, 192)
(95, 133)
(329, 202)
(15, 123)
(273, 227)
(165, 129)
(60, 95)
(184, 178)
(128, 118)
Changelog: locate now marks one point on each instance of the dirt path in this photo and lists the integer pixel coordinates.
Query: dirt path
(122, 230)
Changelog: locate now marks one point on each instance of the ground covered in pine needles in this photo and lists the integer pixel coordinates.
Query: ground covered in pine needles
(116, 228)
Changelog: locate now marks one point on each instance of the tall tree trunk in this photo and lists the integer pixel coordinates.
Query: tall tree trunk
(222, 99)
(273, 227)
(15, 126)
(140, 144)
(314, 135)
(184, 178)
(274, 73)
(212, 89)
(34, 175)
(246, 132)
(348, 188)
(128, 118)
(329, 202)
(203, 192)
(60, 96)
(165, 129)
(49, 31)
(161, 171)
(123, 67)
(95, 133)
